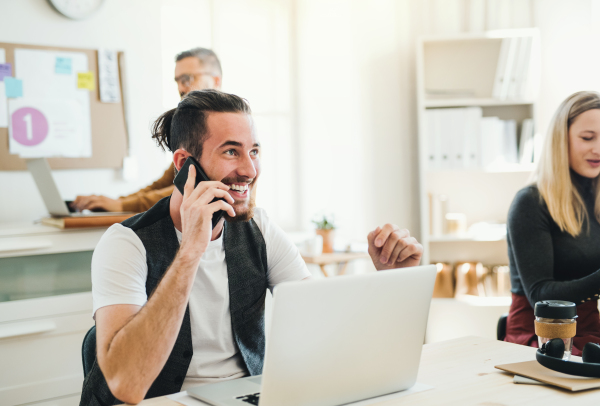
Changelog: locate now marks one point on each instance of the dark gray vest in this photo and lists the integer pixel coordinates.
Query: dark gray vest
(246, 257)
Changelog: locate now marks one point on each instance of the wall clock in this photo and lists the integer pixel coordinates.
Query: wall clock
(76, 9)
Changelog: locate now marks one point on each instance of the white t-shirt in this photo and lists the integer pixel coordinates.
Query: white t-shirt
(119, 273)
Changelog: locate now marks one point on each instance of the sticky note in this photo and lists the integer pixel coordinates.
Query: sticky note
(63, 66)
(85, 80)
(5, 70)
(13, 87)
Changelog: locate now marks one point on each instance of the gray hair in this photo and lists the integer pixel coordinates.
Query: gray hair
(209, 59)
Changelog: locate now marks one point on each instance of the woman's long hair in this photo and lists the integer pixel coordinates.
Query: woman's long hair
(553, 176)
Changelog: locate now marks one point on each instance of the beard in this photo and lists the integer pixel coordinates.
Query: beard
(244, 210)
(242, 216)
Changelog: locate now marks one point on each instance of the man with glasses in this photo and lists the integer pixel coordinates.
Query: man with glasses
(195, 69)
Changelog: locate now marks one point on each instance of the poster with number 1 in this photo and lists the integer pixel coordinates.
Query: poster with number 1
(52, 118)
(45, 127)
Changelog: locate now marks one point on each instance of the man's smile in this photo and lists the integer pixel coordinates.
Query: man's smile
(239, 190)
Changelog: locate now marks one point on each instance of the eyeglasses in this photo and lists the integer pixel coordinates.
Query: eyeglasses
(187, 79)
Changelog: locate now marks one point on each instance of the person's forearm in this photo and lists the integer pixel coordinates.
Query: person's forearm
(531, 247)
(143, 200)
(577, 291)
(165, 180)
(139, 350)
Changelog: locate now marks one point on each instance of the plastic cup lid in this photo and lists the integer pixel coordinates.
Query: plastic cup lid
(555, 309)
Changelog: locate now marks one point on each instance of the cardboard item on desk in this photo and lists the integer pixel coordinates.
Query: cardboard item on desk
(85, 222)
(533, 370)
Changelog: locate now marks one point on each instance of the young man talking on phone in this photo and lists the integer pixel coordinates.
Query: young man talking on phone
(179, 303)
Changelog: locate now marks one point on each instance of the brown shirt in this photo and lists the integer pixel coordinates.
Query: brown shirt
(143, 199)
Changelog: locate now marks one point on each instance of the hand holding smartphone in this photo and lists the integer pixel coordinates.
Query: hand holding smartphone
(182, 177)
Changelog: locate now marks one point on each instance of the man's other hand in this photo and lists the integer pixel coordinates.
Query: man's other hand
(390, 248)
(94, 202)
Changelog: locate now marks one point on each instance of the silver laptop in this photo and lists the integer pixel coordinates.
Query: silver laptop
(336, 341)
(56, 206)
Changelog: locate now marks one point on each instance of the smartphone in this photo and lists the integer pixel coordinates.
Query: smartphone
(182, 177)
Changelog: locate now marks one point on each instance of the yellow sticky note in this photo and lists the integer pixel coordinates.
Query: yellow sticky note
(85, 80)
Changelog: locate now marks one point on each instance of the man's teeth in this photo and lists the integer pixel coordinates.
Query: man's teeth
(239, 188)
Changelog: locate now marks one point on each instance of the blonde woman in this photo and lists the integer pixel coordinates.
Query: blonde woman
(554, 225)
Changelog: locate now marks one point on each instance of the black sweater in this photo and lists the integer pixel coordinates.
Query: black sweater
(546, 263)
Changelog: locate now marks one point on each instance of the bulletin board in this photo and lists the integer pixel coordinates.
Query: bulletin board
(108, 126)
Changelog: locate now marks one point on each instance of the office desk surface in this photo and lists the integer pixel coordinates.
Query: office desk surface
(462, 373)
(21, 240)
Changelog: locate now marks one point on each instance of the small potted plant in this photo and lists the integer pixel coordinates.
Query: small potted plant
(325, 228)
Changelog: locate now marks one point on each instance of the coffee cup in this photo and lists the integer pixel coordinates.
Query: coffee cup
(556, 319)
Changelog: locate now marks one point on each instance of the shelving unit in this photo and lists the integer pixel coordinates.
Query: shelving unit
(464, 67)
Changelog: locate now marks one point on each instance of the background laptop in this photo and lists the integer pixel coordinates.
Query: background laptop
(56, 206)
(337, 340)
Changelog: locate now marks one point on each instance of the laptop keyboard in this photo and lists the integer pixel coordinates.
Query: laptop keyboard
(252, 399)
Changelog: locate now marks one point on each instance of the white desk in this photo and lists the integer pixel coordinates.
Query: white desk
(18, 240)
(45, 310)
(462, 373)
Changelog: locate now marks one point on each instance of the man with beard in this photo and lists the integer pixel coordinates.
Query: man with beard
(179, 303)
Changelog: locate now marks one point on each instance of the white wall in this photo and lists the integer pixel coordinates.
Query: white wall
(356, 92)
(356, 116)
(569, 34)
(185, 24)
(340, 124)
(132, 26)
(252, 40)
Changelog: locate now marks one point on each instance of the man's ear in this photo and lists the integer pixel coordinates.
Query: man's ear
(218, 81)
(179, 157)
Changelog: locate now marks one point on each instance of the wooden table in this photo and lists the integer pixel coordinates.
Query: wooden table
(462, 373)
(340, 258)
